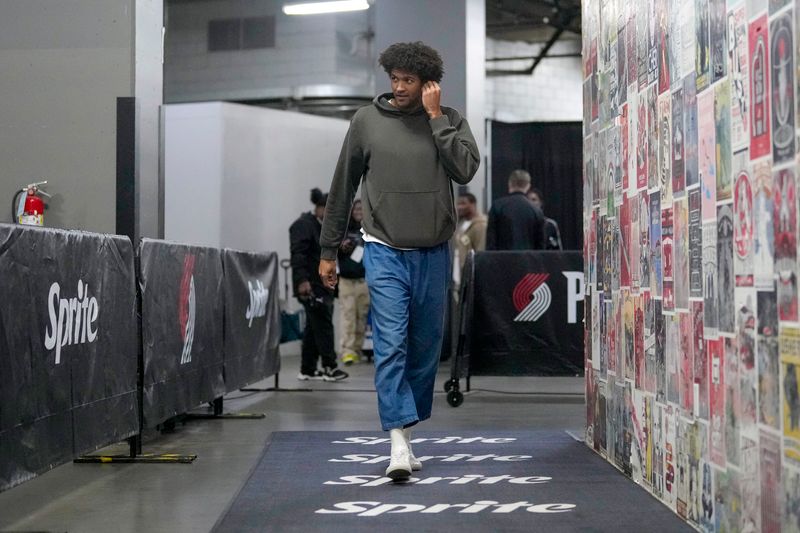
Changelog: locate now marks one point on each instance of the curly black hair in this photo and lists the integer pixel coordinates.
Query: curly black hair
(417, 58)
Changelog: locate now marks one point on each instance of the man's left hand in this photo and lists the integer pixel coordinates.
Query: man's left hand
(431, 96)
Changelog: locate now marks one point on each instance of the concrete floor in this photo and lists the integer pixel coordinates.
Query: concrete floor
(190, 498)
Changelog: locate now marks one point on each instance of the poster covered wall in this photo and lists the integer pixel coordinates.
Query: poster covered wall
(693, 369)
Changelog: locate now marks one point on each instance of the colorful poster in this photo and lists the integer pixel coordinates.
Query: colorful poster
(625, 243)
(784, 202)
(701, 407)
(791, 500)
(678, 173)
(760, 144)
(732, 401)
(695, 246)
(686, 362)
(657, 279)
(653, 136)
(664, 49)
(768, 361)
(739, 78)
(743, 225)
(770, 471)
(785, 225)
(667, 256)
(644, 240)
(680, 265)
(660, 352)
(664, 148)
(751, 485)
(690, 131)
(716, 358)
(641, 143)
(702, 44)
(630, 44)
(638, 341)
(746, 346)
(629, 335)
(728, 500)
(764, 239)
(642, 42)
(790, 371)
(722, 120)
(707, 154)
(710, 281)
(634, 253)
(688, 38)
(622, 68)
(624, 122)
(725, 281)
(671, 349)
(782, 70)
(684, 467)
(718, 39)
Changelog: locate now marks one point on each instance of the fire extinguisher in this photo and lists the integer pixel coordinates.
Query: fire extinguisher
(30, 209)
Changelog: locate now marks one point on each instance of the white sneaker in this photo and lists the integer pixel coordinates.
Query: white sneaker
(399, 466)
(415, 463)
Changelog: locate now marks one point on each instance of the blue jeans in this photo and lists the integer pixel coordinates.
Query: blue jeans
(407, 291)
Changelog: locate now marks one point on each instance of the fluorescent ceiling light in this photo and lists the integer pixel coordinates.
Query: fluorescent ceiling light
(315, 8)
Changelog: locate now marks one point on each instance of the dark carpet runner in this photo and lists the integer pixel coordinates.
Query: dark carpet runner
(470, 481)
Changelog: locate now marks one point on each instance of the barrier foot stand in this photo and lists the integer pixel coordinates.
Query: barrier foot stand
(136, 456)
(219, 415)
(276, 388)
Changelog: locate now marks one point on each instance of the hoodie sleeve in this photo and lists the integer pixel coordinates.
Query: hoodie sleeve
(458, 151)
(346, 178)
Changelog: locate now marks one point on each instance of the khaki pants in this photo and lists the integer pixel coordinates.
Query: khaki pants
(354, 305)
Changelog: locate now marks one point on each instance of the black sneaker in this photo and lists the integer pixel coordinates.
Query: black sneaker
(334, 374)
(316, 375)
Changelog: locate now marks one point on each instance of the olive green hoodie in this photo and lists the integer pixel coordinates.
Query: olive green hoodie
(407, 163)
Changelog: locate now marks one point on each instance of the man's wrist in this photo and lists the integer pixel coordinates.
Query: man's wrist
(435, 114)
(329, 253)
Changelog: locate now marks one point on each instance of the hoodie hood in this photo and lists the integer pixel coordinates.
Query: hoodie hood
(382, 102)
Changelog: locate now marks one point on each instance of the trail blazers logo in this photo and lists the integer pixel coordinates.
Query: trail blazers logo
(532, 297)
(186, 308)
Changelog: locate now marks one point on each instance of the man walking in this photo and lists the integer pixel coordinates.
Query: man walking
(404, 150)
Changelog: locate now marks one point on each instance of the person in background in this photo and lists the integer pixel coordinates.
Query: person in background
(552, 237)
(404, 151)
(353, 292)
(514, 222)
(316, 299)
(470, 234)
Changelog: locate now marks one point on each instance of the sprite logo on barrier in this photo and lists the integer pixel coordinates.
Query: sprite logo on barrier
(72, 321)
(532, 296)
(186, 308)
(259, 296)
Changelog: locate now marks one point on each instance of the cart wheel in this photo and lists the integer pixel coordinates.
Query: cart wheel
(455, 398)
(448, 385)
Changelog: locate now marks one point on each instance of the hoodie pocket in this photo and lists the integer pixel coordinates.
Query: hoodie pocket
(412, 219)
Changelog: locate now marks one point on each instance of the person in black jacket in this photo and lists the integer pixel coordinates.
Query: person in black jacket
(514, 222)
(552, 236)
(316, 299)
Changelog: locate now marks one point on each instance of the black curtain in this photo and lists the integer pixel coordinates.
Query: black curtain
(553, 154)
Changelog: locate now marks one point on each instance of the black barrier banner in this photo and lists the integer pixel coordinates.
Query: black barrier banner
(252, 317)
(182, 317)
(528, 314)
(68, 347)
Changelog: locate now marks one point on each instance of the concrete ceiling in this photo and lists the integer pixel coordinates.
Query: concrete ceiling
(533, 21)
